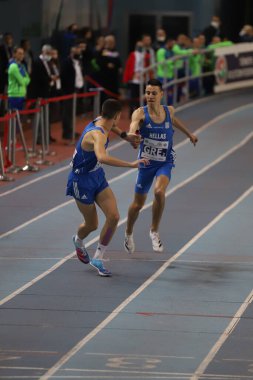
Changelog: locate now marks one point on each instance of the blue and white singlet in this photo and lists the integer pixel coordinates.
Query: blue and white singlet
(84, 161)
(157, 140)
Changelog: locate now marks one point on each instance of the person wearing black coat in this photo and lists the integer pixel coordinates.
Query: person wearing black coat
(43, 78)
(212, 30)
(72, 81)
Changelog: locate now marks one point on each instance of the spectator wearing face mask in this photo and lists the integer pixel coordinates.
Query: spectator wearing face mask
(212, 30)
(42, 75)
(160, 40)
(43, 78)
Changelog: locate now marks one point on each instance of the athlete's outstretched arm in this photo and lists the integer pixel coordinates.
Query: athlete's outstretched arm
(179, 125)
(133, 139)
(99, 141)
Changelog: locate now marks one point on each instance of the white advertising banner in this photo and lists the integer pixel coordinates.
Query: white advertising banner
(234, 67)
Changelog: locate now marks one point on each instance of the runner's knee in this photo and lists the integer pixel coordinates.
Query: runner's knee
(113, 218)
(136, 206)
(159, 194)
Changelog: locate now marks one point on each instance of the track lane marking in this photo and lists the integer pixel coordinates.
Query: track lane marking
(111, 148)
(128, 172)
(222, 339)
(148, 282)
(122, 221)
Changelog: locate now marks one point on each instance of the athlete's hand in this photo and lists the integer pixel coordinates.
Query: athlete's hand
(133, 139)
(136, 164)
(194, 139)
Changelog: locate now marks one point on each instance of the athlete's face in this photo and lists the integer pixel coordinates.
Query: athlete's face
(153, 94)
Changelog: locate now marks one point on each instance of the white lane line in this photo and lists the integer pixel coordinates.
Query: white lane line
(54, 172)
(216, 120)
(139, 356)
(122, 221)
(111, 148)
(222, 339)
(56, 208)
(128, 172)
(23, 225)
(148, 282)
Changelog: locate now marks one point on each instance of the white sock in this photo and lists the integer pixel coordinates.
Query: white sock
(78, 241)
(99, 254)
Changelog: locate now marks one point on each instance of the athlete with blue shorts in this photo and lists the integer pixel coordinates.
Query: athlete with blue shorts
(155, 123)
(87, 183)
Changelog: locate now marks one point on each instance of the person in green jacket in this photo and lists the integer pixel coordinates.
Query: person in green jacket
(165, 71)
(196, 63)
(18, 80)
(181, 48)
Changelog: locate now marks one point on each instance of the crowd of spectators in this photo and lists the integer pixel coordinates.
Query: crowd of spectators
(77, 59)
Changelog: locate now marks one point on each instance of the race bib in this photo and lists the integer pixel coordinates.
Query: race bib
(155, 150)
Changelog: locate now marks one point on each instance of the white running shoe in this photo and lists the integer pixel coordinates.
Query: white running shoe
(129, 243)
(156, 242)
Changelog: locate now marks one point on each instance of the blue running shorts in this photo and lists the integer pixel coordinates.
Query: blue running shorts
(85, 187)
(146, 176)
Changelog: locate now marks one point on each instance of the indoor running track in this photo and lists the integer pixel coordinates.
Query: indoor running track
(183, 314)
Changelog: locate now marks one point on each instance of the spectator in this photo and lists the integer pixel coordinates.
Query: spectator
(43, 78)
(166, 71)
(56, 88)
(69, 39)
(131, 75)
(209, 63)
(72, 81)
(149, 55)
(99, 46)
(86, 35)
(196, 63)
(160, 40)
(28, 55)
(246, 34)
(95, 68)
(212, 30)
(110, 67)
(180, 47)
(202, 41)
(18, 80)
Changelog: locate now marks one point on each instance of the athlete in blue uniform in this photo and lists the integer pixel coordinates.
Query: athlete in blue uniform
(154, 123)
(88, 185)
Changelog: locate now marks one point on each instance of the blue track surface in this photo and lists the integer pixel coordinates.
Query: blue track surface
(183, 314)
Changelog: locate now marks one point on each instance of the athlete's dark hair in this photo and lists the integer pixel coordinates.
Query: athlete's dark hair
(155, 82)
(110, 108)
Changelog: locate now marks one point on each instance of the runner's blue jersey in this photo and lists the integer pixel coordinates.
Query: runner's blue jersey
(84, 161)
(157, 140)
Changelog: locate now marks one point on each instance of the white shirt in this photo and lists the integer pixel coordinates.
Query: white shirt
(79, 76)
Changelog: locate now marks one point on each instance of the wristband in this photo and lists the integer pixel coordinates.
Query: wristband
(123, 135)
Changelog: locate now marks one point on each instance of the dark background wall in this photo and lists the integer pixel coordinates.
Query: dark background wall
(36, 19)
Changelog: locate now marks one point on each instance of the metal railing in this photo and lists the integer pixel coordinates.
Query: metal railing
(176, 81)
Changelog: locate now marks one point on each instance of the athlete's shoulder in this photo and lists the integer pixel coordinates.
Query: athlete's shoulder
(171, 111)
(138, 114)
